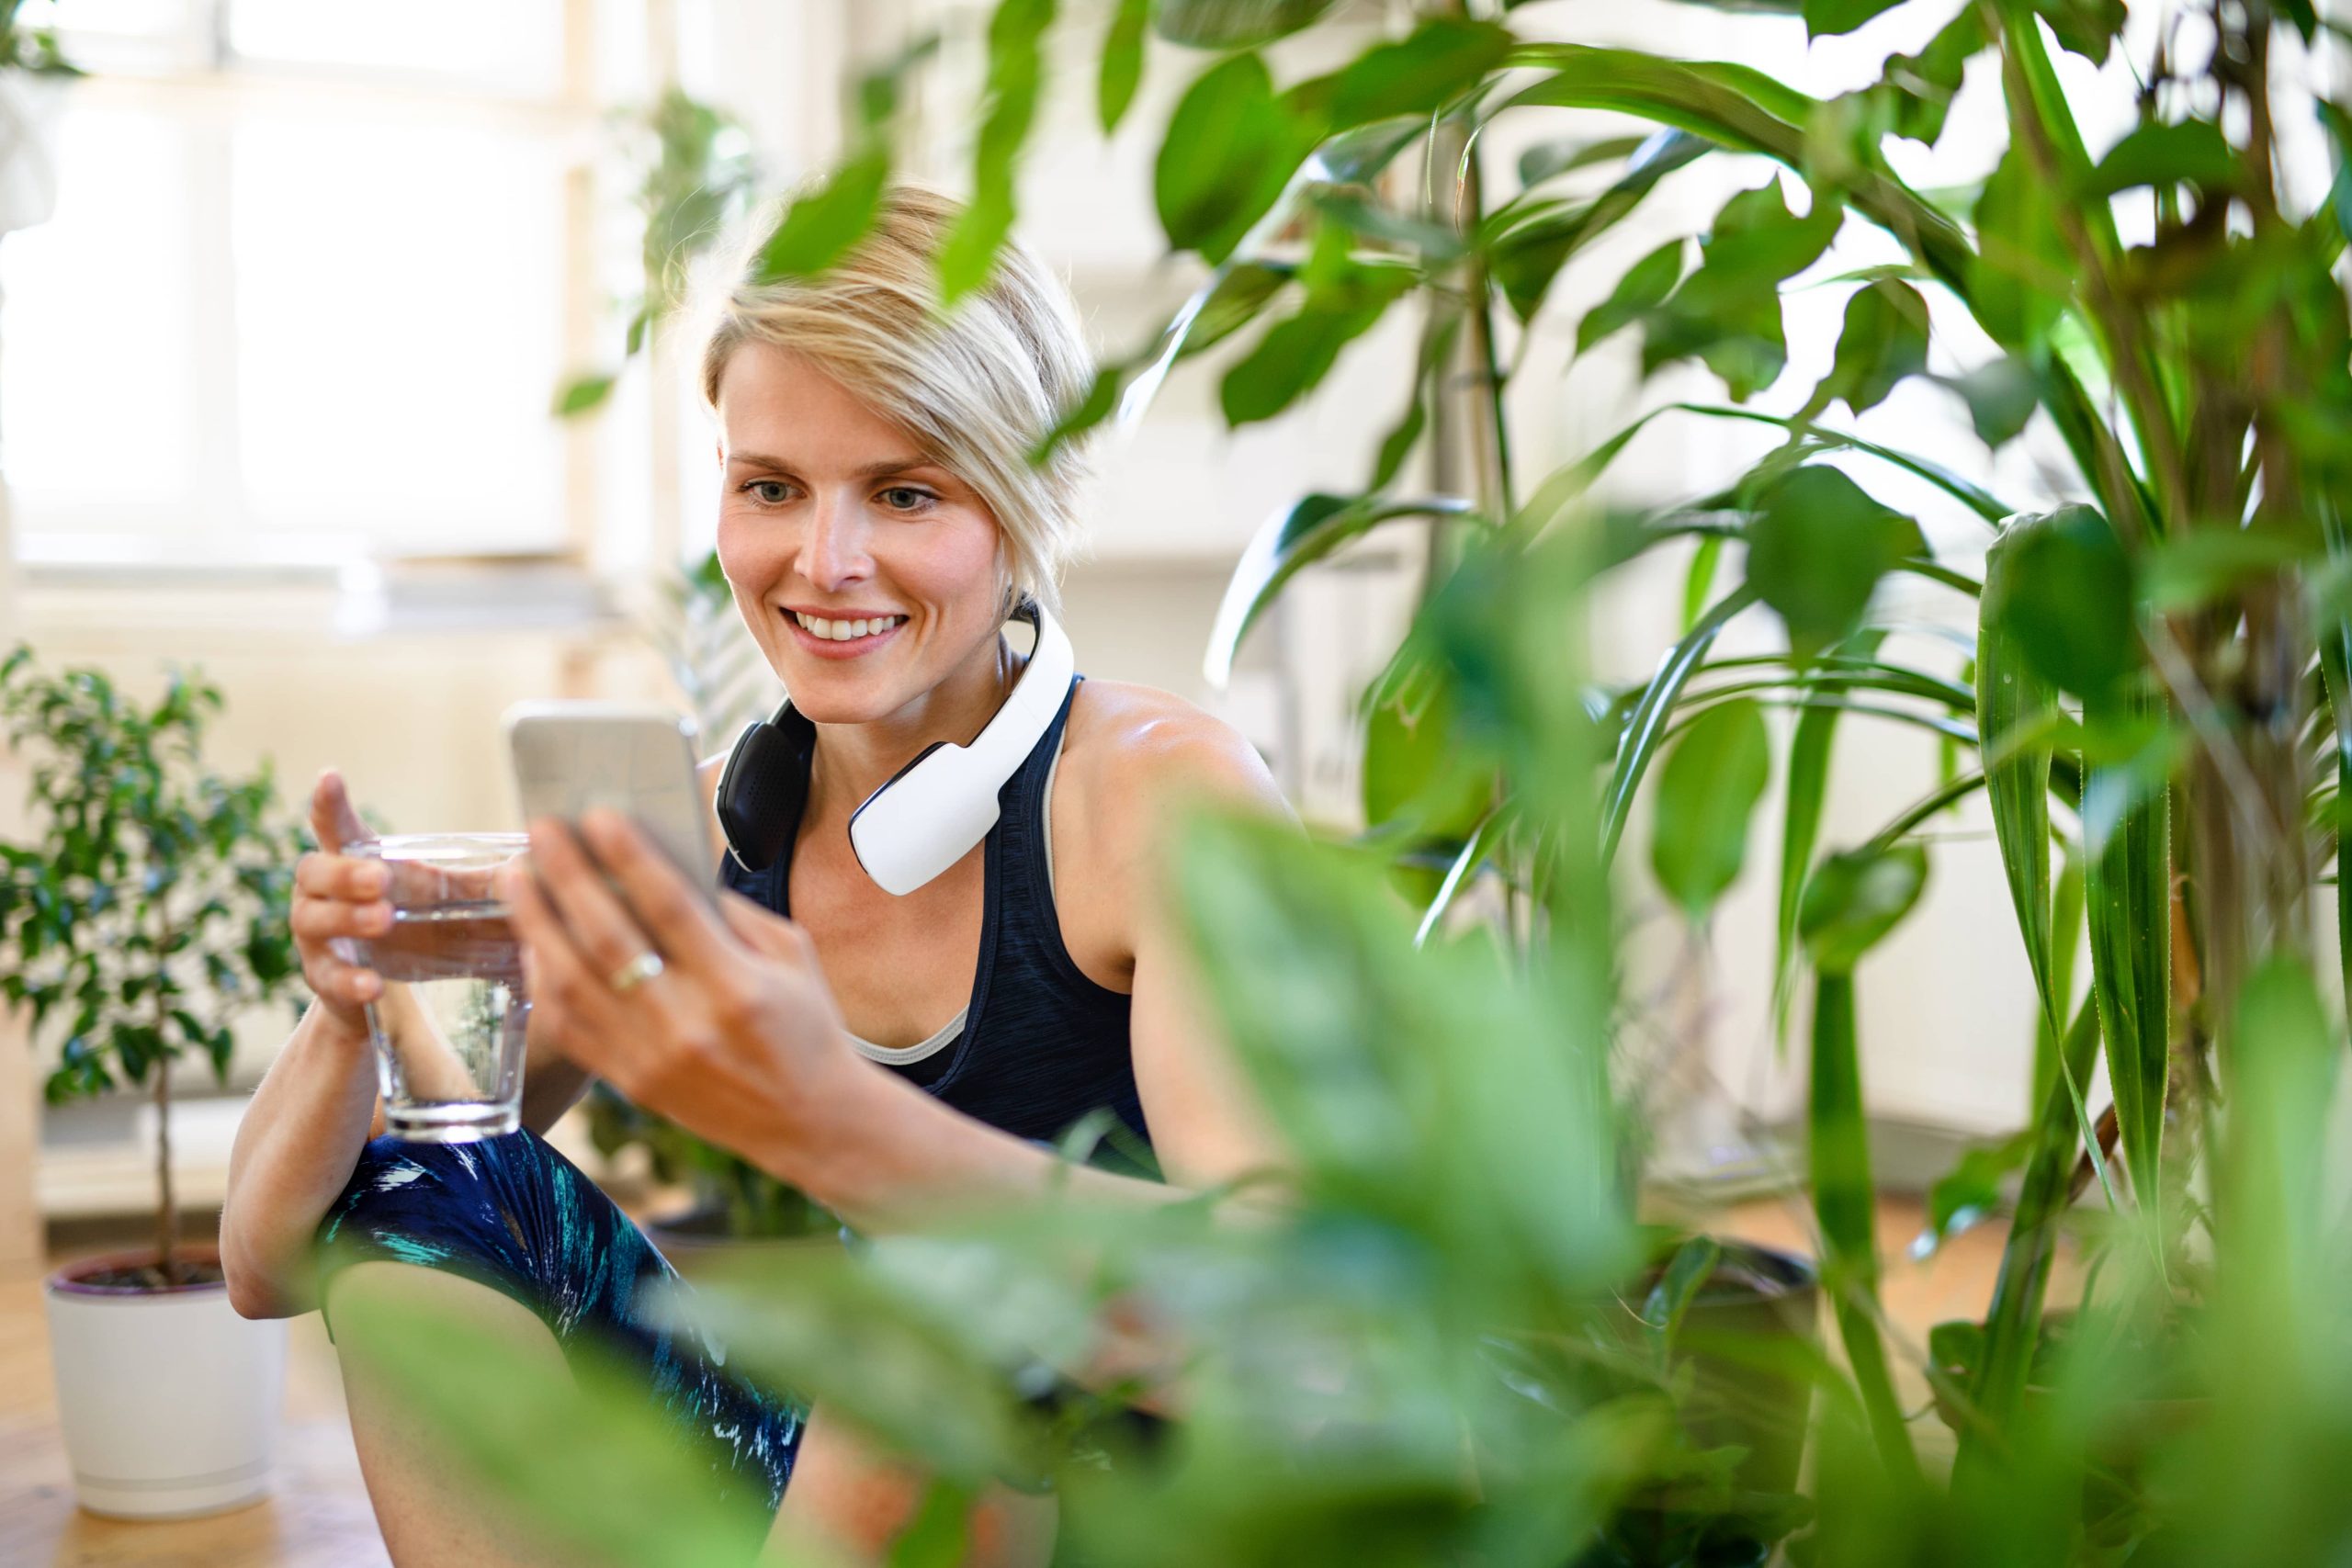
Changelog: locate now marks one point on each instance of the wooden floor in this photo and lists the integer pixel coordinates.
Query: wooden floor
(317, 1516)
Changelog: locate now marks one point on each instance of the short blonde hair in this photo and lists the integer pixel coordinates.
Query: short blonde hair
(976, 387)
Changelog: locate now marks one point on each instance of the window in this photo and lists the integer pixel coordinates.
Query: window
(315, 269)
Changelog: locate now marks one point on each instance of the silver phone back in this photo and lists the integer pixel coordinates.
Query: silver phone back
(638, 759)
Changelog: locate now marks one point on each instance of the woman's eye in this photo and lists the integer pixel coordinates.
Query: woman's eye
(769, 492)
(905, 498)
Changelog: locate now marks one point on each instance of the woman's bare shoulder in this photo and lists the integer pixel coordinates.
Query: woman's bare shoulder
(1136, 744)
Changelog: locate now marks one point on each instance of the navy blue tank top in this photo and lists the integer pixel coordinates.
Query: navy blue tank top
(1041, 1046)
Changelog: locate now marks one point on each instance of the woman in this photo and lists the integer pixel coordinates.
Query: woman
(889, 1056)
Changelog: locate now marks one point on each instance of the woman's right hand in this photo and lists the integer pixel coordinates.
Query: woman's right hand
(338, 897)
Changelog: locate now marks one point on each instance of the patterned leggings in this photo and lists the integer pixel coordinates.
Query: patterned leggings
(515, 1215)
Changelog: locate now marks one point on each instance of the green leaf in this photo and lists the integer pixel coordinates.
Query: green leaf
(1686, 1274)
(1845, 1204)
(1817, 547)
(1418, 74)
(1699, 581)
(2067, 601)
(2001, 396)
(2336, 669)
(582, 1455)
(1101, 400)
(1438, 335)
(1122, 69)
(1827, 17)
(1921, 87)
(1727, 312)
(2128, 899)
(1290, 540)
(1527, 250)
(1549, 160)
(1886, 339)
(2192, 569)
(1854, 899)
(2191, 151)
(968, 254)
(2089, 28)
(2340, 190)
(1708, 788)
(2269, 1187)
(1233, 24)
(2016, 707)
(1296, 354)
(1358, 156)
(581, 393)
(1229, 149)
(936, 1537)
(1971, 1191)
(2022, 276)
(821, 227)
(2013, 1322)
(1417, 772)
(1638, 292)
(1804, 797)
(1645, 726)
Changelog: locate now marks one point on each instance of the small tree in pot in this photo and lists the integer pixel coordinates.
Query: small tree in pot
(149, 904)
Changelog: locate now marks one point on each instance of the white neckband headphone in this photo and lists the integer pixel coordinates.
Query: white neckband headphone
(931, 812)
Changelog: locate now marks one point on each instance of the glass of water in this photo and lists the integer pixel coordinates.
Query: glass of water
(449, 1027)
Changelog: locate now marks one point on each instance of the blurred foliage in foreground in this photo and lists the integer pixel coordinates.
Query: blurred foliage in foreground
(1447, 1348)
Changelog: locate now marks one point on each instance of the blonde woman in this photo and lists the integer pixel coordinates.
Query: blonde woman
(890, 1054)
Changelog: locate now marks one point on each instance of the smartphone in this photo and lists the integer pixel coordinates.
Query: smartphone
(636, 758)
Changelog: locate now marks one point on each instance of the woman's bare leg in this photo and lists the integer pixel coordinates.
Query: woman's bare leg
(848, 1498)
(427, 1501)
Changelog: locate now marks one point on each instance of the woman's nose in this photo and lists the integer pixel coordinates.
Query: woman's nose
(832, 552)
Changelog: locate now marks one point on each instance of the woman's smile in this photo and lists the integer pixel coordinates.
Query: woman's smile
(842, 634)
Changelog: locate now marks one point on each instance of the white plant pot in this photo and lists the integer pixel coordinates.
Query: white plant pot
(169, 1400)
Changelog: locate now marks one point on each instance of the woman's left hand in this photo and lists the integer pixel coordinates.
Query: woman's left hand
(719, 1019)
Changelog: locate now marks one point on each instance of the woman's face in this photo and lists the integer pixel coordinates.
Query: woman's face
(829, 516)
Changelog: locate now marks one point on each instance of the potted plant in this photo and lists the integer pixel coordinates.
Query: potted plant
(2152, 703)
(2163, 653)
(146, 911)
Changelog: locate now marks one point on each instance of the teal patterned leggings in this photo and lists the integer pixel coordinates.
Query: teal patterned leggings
(513, 1214)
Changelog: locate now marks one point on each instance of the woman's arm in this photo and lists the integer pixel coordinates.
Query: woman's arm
(317, 1106)
(294, 1149)
(738, 1040)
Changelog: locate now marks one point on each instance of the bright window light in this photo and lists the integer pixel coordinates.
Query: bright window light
(513, 44)
(98, 382)
(397, 315)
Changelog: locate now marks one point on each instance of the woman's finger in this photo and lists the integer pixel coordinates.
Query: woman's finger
(604, 933)
(322, 919)
(565, 998)
(336, 980)
(680, 919)
(344, 878)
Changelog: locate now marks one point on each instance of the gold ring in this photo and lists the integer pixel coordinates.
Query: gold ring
(635, 973)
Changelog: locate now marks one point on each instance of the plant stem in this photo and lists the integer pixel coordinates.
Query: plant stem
(167, 1209)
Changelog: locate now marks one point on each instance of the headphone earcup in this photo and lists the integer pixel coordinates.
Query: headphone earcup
(765, 789)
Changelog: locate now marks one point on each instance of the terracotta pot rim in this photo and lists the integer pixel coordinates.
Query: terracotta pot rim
(68, 1279)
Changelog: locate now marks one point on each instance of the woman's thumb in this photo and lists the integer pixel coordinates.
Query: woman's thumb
(333, 819)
